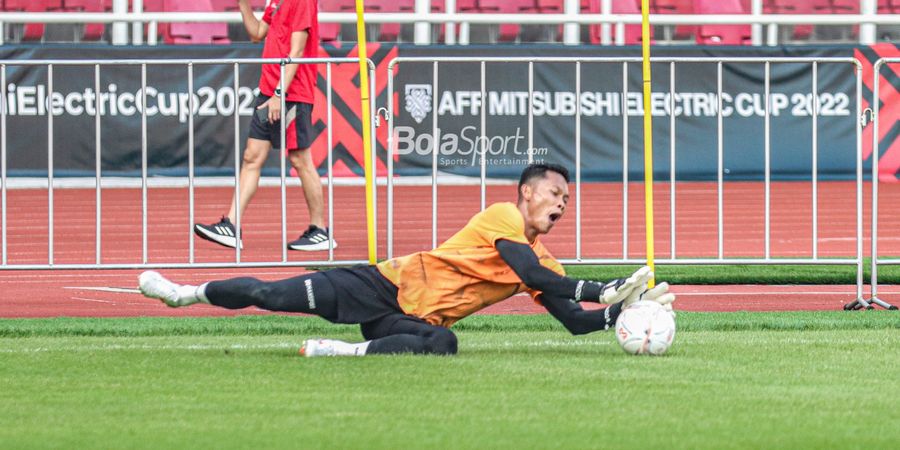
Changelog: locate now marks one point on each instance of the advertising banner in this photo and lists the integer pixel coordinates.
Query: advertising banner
(74, 105)
(609, 100)
(611, 110)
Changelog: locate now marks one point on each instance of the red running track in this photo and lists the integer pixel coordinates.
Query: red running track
(111, 293)
(50, 293)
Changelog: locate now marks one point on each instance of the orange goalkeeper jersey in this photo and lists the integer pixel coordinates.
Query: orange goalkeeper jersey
(465, 273)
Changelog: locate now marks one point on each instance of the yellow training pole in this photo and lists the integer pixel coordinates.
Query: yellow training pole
(366, 128)
(648, 134)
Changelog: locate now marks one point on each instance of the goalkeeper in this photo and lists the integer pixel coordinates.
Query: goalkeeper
(407, 304)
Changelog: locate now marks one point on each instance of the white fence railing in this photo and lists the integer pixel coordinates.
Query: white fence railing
(876, 136)
(628, 257)
(142, 259)
(580, 258)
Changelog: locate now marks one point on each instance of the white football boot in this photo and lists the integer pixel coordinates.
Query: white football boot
(154, 285)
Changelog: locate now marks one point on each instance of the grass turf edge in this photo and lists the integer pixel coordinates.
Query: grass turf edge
(312, 326)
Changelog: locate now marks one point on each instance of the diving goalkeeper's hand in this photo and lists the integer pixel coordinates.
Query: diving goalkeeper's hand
(659, 294)
(624, 288)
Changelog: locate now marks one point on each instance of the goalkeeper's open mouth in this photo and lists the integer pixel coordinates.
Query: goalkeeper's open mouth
(554, 217)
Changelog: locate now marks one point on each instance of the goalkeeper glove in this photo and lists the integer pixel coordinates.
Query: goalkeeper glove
(624, 288)
(659, 294)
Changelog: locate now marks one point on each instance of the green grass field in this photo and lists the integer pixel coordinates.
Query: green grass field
(744, 274)
(732, 380)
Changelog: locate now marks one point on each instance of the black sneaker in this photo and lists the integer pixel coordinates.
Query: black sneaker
(220, 233)
(313, 239)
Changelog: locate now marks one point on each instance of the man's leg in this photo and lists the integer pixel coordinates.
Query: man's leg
(254, 157)
(302, 162)
(312, 293)
(224, 231)
(298, 137)
(316, 237)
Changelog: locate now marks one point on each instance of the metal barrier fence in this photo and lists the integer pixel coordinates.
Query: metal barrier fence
(578, 63)
(720, 258)
(189, 65)
(876, 106)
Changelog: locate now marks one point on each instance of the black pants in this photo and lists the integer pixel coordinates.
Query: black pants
(359, 295)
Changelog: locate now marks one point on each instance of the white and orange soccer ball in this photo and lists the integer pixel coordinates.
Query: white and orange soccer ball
(645, 328)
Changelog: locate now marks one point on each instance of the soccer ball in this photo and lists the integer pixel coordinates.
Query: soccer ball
(645, 328)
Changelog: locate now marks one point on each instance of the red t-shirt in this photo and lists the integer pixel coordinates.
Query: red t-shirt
(291, 16)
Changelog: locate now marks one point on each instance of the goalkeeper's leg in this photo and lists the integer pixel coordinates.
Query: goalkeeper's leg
(311, 293)
(400, 333)
(392, 334)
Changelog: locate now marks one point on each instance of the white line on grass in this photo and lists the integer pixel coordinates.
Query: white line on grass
(92, 300)
(117, 303)
(117, 347)
(290, 345)
(105, 289)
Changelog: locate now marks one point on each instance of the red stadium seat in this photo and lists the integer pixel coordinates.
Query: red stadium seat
(550, 6)
(507, 32)
(673, 6)
(33, 5)
(722, 34)
(632, 32)
(833, 6)
(677, 7)
(845, 6)
(462, 6)
(822, 6)
(329, 32)
(467, 6)
(193, 33)
(558, 7)
(332, 31)
(438, 6)
(33, 31)
(390, 31)
(197, 33)
(92, 31)
(149, 5)
(793, 7)
(337, 31)
(767, 6)
(232, 5)
(836, 7)
(224, 5)
(337, 5)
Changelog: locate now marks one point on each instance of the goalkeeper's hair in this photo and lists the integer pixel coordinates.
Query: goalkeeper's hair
(533, 171)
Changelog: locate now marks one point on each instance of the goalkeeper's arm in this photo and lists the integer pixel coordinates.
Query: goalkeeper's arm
(524, 262)
(576, 319)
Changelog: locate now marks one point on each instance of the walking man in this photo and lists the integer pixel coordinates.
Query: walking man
(290, 29)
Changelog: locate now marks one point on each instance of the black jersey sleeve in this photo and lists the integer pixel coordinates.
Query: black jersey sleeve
(524, 262)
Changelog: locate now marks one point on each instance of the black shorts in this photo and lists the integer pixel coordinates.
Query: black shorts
(362, 294)
(297, 132)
